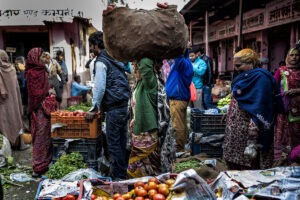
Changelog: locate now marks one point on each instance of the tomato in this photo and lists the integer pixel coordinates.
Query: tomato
(170, 182)
(120, 198)
(151, 193)
(126, 196)
(146, 187)
(159, 197)
(164, 190)
(117, 195)
(93, 197)
(153, 179)
(139, 198)
(139, 183)
(140, 191)
(69, 197)
(152, 185)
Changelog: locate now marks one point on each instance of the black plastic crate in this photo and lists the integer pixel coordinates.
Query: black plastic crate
(90, 149)
(210, 150)
(207, 124)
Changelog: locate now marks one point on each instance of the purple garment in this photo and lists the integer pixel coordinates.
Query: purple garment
(166, 69)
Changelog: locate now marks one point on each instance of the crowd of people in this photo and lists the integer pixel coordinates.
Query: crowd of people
(262, 124)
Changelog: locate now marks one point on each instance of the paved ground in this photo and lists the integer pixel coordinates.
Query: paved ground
(28, 191)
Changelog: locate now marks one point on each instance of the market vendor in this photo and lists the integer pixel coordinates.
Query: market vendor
(111, 94)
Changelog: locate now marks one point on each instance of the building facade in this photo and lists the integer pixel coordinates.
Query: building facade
(270, 28)
(64, 28)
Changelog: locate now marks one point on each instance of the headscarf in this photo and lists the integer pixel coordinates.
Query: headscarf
(37, 81)
(10, 100)
(288, 56)
(247, 56)
(4, 64)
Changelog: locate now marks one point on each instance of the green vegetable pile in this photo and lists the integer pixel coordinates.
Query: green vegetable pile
(66, 164)
(83, 106)
(224, 101)
(189, 164)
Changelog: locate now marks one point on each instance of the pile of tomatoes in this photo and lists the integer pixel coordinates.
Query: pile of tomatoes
(66, 113)
(152, 190)
(67, 197)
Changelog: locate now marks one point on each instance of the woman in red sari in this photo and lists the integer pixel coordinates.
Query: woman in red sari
(287, 132)
(40, 106)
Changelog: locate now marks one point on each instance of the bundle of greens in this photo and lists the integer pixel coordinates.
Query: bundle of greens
(189, 164)
(83, 106)
(65, 164)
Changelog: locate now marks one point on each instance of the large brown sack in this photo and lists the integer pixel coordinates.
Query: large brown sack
(131, 34)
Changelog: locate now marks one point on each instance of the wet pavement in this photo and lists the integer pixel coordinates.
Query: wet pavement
(27, 190)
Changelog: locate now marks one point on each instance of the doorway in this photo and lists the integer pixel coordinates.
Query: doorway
(23, 42)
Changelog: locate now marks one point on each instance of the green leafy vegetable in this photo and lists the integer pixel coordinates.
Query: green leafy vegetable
(189, 164)
(65, 164)
(83, 106)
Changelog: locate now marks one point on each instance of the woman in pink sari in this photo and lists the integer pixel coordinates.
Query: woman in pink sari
(287, 132)
(41, 103)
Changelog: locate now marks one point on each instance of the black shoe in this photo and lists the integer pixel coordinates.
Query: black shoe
(36, 175)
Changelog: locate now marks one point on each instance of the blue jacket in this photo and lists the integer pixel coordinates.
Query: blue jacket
(180, 78)
(77, 89)
(199, 67)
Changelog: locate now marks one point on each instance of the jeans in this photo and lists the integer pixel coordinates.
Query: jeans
(199, 100)
(207, 99)
(116, 133)
(178, 115)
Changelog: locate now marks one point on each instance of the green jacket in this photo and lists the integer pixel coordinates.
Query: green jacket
(146, 99)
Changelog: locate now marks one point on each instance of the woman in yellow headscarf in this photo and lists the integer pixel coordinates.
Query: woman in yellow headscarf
(248, 140)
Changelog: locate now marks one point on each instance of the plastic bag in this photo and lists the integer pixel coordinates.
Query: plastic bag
(193, 92)
(84, 174)
(6, 148)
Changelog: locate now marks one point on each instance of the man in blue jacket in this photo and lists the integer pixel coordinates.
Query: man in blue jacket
(199, 67)
(178, 92)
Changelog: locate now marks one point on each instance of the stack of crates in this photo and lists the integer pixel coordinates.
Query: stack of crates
(83, 136)
(207, 124)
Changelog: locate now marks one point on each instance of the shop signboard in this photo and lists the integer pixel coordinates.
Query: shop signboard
(281, 12)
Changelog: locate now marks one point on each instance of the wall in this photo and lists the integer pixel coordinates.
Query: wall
(69, 37)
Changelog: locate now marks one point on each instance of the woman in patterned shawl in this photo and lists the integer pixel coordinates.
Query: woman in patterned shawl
(40, 106)
(251, 115)
(153, 145)
(287, 132)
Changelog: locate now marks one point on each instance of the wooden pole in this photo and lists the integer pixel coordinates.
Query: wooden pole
(206, 34)
(191, 39)
(240, 23)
